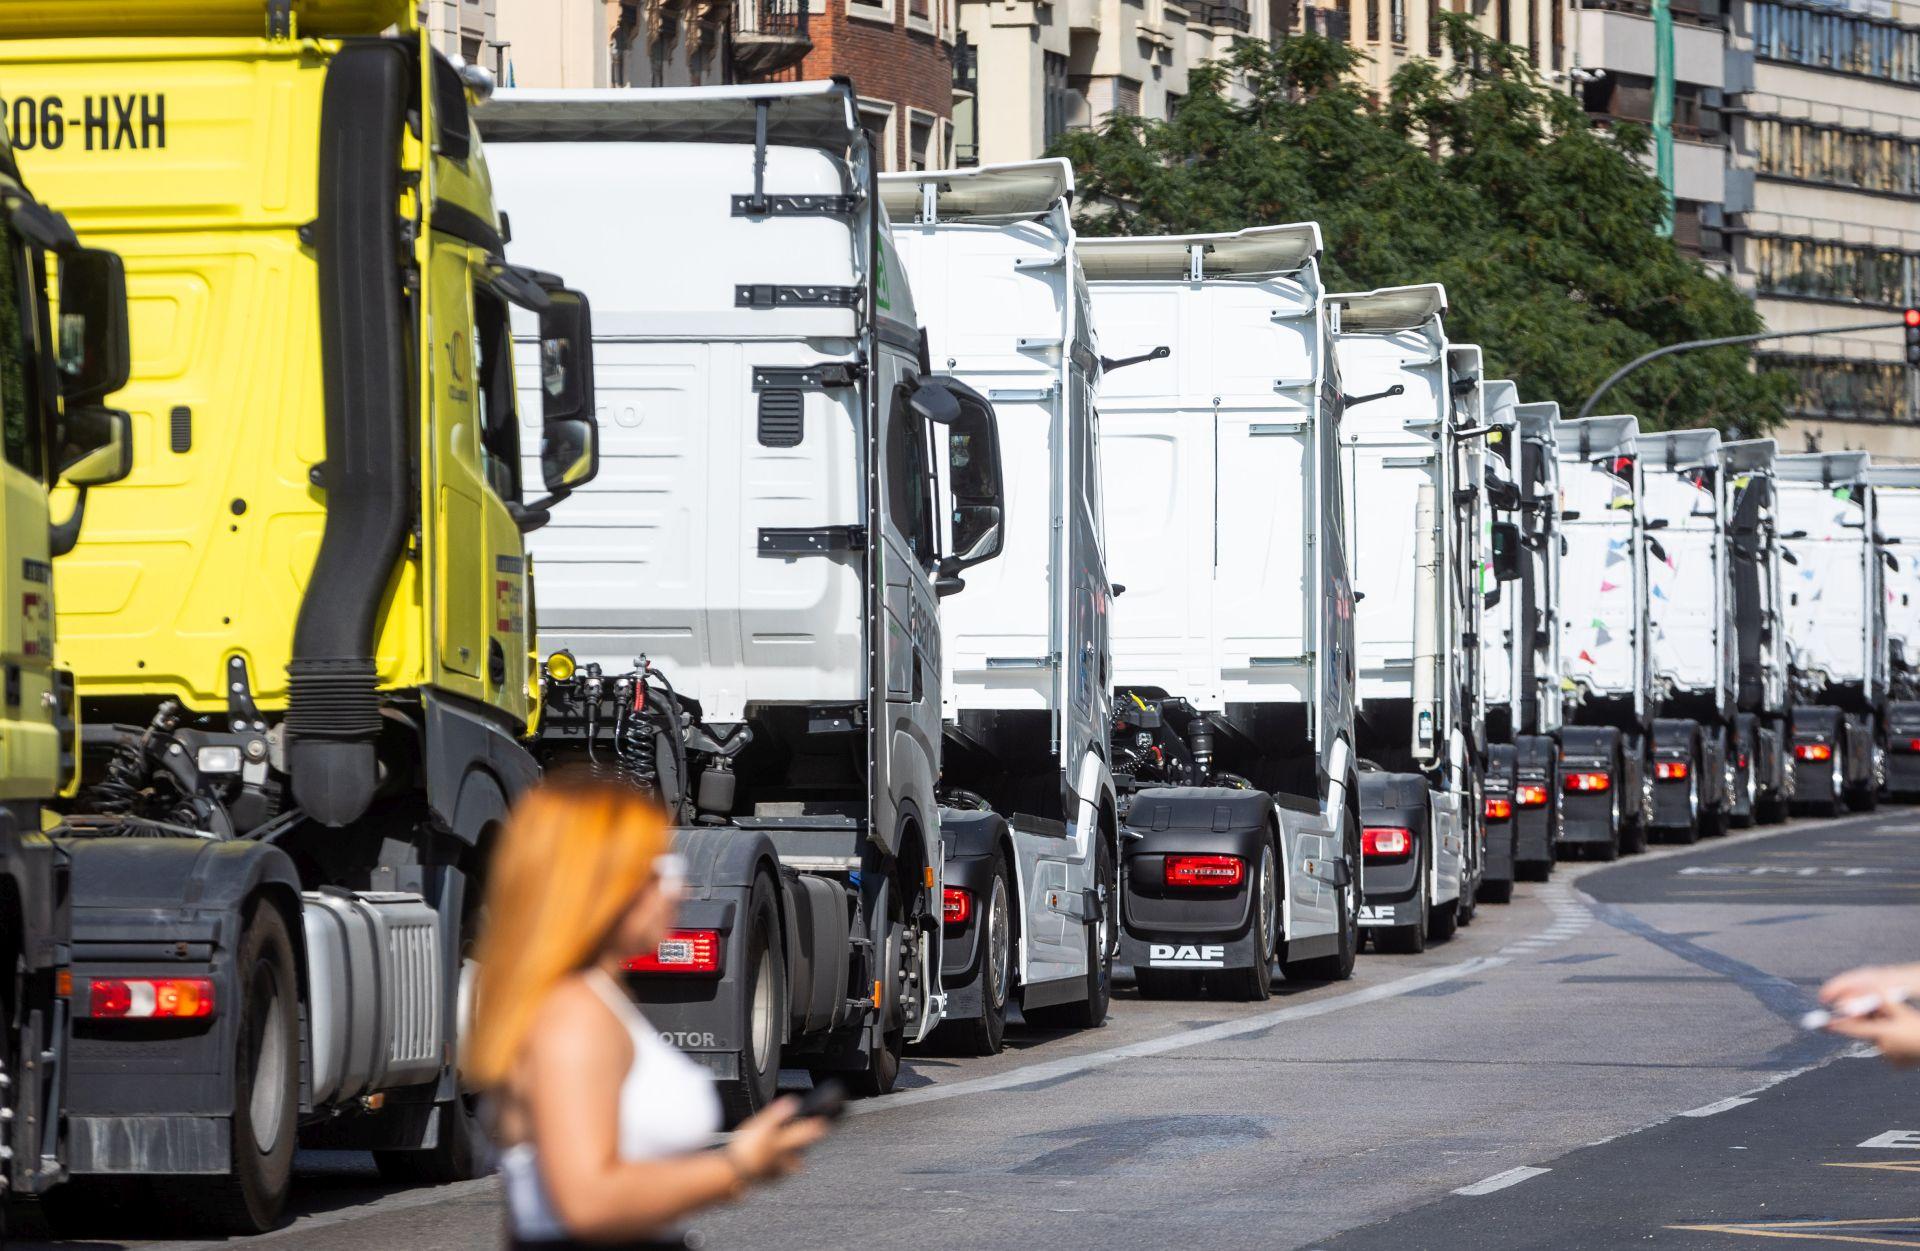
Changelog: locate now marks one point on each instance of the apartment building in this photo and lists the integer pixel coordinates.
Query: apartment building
(899, 54)
(463, 29)
(1797, 171)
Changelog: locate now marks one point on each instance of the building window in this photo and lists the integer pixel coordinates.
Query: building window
(1855, 159)
(876, 118)
(1433, 27)
(1397, 13)
(920, 147)
(1057, 97)
(1845, 390)
(1173, 103)
(1629, 97)
(1833, 39)
(1373, 21)
(966, 102)
(1825, 269)
(1126, 96)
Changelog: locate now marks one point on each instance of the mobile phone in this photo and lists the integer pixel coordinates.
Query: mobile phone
(827, 1100)
(1860, 1005)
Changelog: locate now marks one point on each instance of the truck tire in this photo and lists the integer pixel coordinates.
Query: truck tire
(1443, 920)
(762, 1010)
(986, 1035)
(1091, 1012)
(1256, 983)
(266, 1094)
(1834, 804)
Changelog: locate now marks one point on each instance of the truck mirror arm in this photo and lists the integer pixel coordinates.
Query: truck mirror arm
(1110, 363)
(1348, 401)
(63, 536)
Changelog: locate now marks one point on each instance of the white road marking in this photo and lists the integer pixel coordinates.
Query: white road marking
(1718, 1106)
(1897, 1139)
(1073, 1066)
(1500, 1181)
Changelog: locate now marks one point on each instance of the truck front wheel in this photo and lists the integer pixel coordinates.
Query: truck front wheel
(266, 1092)
(762, 1010)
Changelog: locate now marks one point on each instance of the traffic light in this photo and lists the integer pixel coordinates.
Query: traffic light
(1913, 336)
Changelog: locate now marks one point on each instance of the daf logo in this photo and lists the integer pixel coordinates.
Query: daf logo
(1184, 956)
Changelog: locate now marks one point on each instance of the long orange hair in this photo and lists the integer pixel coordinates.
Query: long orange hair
(569, 863)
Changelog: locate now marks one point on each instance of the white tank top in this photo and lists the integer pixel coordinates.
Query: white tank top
(667, 1107)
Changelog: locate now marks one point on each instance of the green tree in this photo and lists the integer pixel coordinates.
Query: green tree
(1544, 228)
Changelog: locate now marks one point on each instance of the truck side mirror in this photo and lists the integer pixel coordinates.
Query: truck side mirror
(1653, 545)
(1789, 557)
(973, 479)
(570, 437)
(96, 446)
(94, 352)
(1892, 562)
(1507, 552)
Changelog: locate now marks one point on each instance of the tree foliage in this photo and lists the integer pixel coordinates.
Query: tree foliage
(1544, 228)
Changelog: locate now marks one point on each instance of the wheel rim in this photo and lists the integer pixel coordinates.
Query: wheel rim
(1753, 787)
(761, 1021)
(1268, 918)
(999, 945)
(1693, 795)
(268, 1102)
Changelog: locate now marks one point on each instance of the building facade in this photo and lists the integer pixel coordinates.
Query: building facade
(1797, 171)
(463, 29)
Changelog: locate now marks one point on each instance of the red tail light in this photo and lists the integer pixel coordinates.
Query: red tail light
(1910, 745)
(1670, 770)
(956, 905)
(150, 998)
(681, 951)
(1813, 751)
(1386, 842)
(1530, 795)
(1589, 780)
(1743, 760)
(1220, 871)
(1499, 809)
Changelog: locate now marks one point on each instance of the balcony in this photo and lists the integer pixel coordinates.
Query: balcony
(1329, 23)
(1692, 12)
(768, 36)
(1229, 16)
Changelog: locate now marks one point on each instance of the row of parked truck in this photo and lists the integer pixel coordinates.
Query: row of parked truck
(991, 607)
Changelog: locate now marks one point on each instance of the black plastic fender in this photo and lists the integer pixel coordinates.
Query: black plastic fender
(1536, 758)
(1586, 817)
(155, 1098)
(475, 768)
(971, 838)
(1502, 835)
(1748, 768)
(1388, 887)
(1674, 741)
(1903, 748)
(1818, 724)
(1175, 927)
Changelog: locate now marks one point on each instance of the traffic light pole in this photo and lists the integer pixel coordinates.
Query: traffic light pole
(1910, 321)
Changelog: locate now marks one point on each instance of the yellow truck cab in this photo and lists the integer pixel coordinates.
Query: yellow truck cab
(54, 373)
(300, 627)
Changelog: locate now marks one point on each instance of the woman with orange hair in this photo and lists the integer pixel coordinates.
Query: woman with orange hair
(606, 1125)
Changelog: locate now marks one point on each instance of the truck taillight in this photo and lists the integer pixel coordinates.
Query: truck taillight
(1812, 751)
(1216, 871)
(149, 998)
(1589, 780)
(1531, 795)
(1386, 842)
(1499, 809)
(1909, 745)
(1670, 770)
(956, 905)
(681, 951)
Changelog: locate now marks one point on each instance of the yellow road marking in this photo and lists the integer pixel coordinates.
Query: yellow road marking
(1817, 1231)
(1893, 1166)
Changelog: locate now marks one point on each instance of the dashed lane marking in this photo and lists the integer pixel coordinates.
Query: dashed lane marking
(1885, 1231)
(1718, 1106)
(1500, 1181)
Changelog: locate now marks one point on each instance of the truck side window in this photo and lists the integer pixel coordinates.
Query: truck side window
(19, 422)
(499, 426)
(909, 493)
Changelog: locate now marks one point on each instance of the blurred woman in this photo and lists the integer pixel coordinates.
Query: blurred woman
(605, 1126)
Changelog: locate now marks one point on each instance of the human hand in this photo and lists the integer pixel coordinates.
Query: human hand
(770, 1143)
(1893, 1027)
(1882, 981)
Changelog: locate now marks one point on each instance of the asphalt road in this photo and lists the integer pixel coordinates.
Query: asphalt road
(1613, 1058)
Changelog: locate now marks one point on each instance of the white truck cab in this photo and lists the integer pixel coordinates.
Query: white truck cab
(1029, 818)
(1232, 637)
(1896, 492)
(1410, 447)
(1763, 773)
(743, 612)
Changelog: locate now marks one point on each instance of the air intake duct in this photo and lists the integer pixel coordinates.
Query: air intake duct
(333, 707)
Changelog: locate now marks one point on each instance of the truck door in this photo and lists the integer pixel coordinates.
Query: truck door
(29, 744)
(455, 484)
